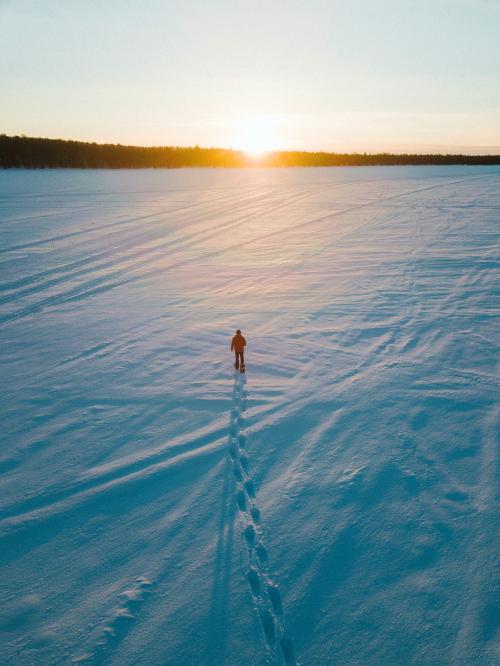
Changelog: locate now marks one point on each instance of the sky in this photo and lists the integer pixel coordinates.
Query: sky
(336, 75)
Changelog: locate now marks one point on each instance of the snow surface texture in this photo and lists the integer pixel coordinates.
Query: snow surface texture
(336, 505)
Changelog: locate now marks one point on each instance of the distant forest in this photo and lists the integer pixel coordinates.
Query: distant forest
(35, 153)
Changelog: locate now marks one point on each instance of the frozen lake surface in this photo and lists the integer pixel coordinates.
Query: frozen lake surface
(336, 505)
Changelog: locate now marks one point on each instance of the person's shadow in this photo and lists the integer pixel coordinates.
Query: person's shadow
(224, 546)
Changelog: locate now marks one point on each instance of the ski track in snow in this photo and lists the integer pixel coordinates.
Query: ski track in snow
(369, 299)
(146, 255)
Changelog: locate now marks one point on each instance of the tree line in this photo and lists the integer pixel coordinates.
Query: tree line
(35, 153)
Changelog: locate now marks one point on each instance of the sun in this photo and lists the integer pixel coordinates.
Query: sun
(256, 136)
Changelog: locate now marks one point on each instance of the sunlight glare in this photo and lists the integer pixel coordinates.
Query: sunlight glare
(256, 136)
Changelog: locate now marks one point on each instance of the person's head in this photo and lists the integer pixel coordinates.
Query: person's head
(238, 332)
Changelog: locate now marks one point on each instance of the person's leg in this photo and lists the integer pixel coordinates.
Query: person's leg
(236, 360)
(242, 360)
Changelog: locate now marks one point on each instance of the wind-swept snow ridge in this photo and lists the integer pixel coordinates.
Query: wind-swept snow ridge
(264, 589)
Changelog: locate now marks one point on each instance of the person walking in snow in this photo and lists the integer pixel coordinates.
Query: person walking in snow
(238, 345)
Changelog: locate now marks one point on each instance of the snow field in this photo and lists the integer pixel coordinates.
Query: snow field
(337, 505)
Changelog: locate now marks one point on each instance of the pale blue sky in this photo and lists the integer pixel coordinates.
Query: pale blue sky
(316, 74)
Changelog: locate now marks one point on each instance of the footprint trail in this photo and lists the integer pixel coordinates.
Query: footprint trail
(263, 587)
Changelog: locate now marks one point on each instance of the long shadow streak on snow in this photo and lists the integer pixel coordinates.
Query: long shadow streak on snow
(222, 579)
(19, 537)
(51, 501)
(264, 589)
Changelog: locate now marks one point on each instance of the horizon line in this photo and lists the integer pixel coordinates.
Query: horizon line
(493, 151)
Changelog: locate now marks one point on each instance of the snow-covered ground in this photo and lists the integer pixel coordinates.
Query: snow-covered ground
(334, 506)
